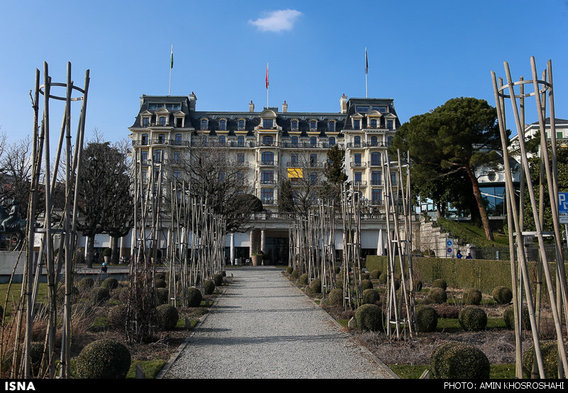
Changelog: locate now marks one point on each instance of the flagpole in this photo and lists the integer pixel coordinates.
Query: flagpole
(267, 84)
(171, 66)
(366, 71)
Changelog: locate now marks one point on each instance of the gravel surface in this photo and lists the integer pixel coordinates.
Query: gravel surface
(263, 327)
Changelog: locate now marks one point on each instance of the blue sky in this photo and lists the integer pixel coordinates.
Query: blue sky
(420, 53)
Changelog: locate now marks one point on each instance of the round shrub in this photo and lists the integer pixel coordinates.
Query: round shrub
(472, 296)
(440, 283)
(218, 279)
(459, 361)
(303, 280)
(289, 270)
(294, 274)
(383, 278)
(161, 283)
(426, 319)
(509, 317)
(370, 296)
(117, 317)
(437, 295)
(549, 354)
(100, 295)
(163, 295)
(208, 287)
(472, 318)
(375, 274)
(85, 284)
(193, 297)
(315, 285)
(502, 295)
(103, 359)
(369, 317)
(335, 297)
(110, 283)
(366, 284)
(167, 316)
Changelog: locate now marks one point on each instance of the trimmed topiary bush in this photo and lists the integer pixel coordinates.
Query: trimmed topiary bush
(472, 318)
(193, 297)
(110, 283)
(294, 275)
(85, 284)
(426, 319)
(459, 361)
(117, 317)
(103, 359)
(440, 283)
(315, 286)
(502, 295)
(163, 295)
(335, 297)
(375, 274)
(549, 354)
(100, 295)
(167, 316)
(303, 280)
(371, 296)
(209, 287)
(218, 279)
(289, 270)
(509, 317)
(437, 295)
(366, 284)
(472, 296)
(369, 317)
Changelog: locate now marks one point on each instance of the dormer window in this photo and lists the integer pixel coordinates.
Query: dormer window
(331, 126)
(294, 125)
(356, 124)
(313, 125)
(241, 124)
(145, 121)
(223, 125)
(390, 124)
(204, 124)
(162, 120)
(373, 123)
(267, 123)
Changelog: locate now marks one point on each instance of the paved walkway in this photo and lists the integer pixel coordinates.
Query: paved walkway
(263, 327)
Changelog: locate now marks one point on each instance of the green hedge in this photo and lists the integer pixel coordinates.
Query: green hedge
(482, 274)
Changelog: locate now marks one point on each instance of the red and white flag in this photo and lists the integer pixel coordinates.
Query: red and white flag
(267, 75)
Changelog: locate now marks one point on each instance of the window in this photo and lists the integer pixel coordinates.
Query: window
(390, 124)
(161, 138)
(376, 196)
(179, 122)
(144, 139)
(177, 175)
(176, 156)
(389, 140)
(178, 139)
(374, 141)
(313, 178)
(375, 158)
(357, 140)
(373, 123)
(222, 125)
(313, 141)
(173, 107)
(332, 141)
(240, 158)
(313, 125)
(241, 124)
(357, 177)
(267, 177)
(357, 159)
(145, 122)
(267, 123)
(331, 126)
(393, 179)
(241, 140)
(559, 135)
(294, 159)
(376, 178)
(221, 176)
(204, 124)
(294, 140)
(162, 120)
(267, 195)
(222, 140)
(268, 158)
(313, 159)
(267, 140)
(361, 108)
(144, 157)
(380, 108)
(157, 156)
(294, 125)
(356, 124)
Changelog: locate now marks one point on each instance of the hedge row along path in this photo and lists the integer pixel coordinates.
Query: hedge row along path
(263, 327)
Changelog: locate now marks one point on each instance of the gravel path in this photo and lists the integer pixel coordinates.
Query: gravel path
(263, 327)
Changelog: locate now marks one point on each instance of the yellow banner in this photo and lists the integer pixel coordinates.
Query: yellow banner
(295, 173)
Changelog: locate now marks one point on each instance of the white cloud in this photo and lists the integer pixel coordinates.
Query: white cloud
(280, 20)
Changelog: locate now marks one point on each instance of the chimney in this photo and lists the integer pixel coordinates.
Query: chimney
(343, 103)
(284, 106)
(192, 101)
(251, 106)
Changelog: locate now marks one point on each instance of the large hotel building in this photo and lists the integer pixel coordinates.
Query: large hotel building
(267, 146)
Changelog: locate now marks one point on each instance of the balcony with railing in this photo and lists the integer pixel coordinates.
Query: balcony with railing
(357, 164)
